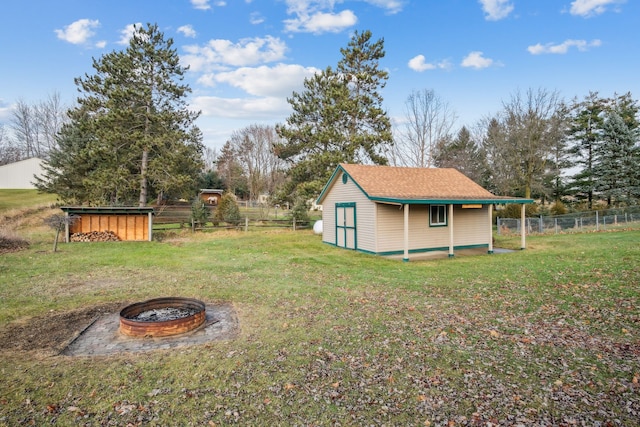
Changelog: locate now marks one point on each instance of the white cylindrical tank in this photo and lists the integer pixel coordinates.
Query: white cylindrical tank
(317, 227)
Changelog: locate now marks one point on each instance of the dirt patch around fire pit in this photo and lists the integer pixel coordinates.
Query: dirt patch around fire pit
(94, 331)
(50, 333)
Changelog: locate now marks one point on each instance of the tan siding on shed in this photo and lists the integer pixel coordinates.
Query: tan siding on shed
(469, 228)
(365, 214)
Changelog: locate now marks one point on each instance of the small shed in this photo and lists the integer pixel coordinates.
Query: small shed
(128, 223)
(211, 196)
(386, 210)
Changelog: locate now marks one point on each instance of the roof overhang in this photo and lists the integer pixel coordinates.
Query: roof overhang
(121, 210)
(401, 201)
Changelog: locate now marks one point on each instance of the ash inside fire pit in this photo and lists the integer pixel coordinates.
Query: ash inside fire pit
(163, 314)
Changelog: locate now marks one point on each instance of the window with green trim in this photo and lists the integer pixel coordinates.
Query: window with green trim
(438, 215)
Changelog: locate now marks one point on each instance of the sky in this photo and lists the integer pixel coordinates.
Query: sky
(246, 57)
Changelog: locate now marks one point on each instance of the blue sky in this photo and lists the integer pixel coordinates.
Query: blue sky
(247, 56)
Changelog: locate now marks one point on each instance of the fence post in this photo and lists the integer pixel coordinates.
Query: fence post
(556, 224)
(294, 223)
(246, 224)
(498, 224)
(597, 222)
(541, 225)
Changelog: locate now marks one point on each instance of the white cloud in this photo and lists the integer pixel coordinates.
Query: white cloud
(187, 31)
(321, 22)
(241, 108)
(419, 63)
(256, 18)
(392, 6)
(278, 81)
(101, 44)
(249, 51)
(562, 48)
(200, 4)
(588, 8)
(319, 16)
(476, 60)
(204, 4)
(496, 9)
(5, 112)
(127, 32)
(78, 32)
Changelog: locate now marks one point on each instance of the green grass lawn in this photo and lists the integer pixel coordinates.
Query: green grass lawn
(545, 336)
(19, 199)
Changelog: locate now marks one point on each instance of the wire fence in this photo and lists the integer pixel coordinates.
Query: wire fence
(571, 223)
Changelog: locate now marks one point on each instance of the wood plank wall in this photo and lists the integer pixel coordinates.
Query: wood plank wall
(126, 227)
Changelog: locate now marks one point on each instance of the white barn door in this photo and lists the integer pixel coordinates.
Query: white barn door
(346, 225)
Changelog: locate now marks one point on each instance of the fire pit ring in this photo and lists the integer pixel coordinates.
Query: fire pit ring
(161, 317)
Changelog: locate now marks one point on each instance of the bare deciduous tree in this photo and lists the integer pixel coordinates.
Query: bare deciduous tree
(50, 115)
(35, 127)
(428, 120)
(24, 125)
(521, 141)
(253, 146)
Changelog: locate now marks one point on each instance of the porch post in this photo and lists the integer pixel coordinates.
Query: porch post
(490, 229)
(406, 233)
(150, 225)
(66, 227)
(451, 231)
(523, 229)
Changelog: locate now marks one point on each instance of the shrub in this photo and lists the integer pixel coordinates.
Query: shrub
(558, 208)
(300, 211)
(228, 210)
(11, 243)
(515, 211)
(199, 212)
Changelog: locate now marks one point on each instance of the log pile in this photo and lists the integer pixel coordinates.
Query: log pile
(95, 236)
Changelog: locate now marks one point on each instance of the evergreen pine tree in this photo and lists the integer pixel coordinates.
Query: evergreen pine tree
(135, 128)
(337, 118)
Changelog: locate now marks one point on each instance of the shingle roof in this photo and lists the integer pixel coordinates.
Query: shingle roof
(404, 184)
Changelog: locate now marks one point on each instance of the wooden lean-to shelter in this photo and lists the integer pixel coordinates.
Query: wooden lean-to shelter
(128, 223)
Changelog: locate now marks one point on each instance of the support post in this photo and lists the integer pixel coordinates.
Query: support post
(406, 232)
(490, 209)
(523, 228)
(541, 225)
(451, 254)
(66, 227)
(150, 226)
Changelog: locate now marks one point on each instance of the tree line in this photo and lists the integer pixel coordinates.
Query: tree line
(131, 138)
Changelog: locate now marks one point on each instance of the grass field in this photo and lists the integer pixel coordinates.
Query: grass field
(545, 336)
(20, 199)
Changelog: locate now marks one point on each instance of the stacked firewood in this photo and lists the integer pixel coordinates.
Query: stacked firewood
(95, 236)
